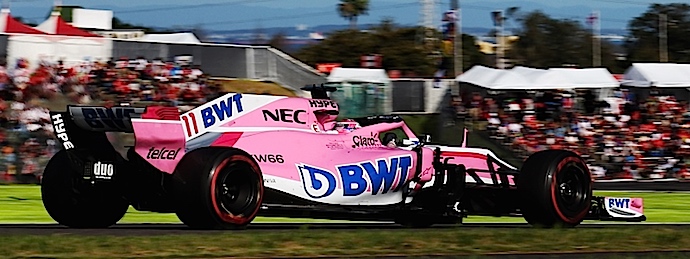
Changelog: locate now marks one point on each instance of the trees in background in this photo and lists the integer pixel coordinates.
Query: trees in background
(399, 46)
(547, 42)
(119, 24)
(351, 9)
(643, 43)
(543, 41)
(279, 41)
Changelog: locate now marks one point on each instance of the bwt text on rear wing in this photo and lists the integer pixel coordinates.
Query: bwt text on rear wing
(77, 125)
(103, 119)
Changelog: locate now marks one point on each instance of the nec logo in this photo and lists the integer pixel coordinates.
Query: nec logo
(285, 115)
(356, 179)
(103, 170)
(104, 118)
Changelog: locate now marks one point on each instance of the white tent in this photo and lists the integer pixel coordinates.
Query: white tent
(59, 41)
(361, 75)
(657, 74)
(525, 78)
(529, 72)
(493, 78)
(569, 78)
(57, 26)
(10, 25)
(185, 37)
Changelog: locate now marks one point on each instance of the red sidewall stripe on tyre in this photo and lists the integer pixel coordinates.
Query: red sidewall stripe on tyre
(554, 188)
(227, 217)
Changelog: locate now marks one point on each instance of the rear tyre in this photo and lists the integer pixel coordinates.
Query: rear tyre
(555, 189)
(78, 205)
(218, 189)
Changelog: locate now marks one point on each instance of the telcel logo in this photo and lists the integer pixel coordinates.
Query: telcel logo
(168, 154)
(103, 170)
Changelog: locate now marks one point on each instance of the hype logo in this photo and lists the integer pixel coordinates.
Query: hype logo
(356, 178)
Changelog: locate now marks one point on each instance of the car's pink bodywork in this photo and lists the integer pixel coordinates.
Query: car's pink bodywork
(290, 136)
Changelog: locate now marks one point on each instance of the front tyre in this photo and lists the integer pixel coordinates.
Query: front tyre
(77, 205)
(218, 189)
(555, 189)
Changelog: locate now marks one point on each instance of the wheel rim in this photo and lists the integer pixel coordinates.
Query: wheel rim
(237, 189)
(572, 192)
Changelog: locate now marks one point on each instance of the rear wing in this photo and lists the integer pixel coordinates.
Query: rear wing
(104, 119)
(85, 126)
(83, 133)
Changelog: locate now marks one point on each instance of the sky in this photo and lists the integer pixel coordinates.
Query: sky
(248, 14)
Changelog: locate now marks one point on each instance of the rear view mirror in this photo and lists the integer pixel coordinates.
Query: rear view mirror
(409, 142)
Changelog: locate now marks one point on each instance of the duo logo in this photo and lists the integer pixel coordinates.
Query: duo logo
(357, 178)
(623, 203)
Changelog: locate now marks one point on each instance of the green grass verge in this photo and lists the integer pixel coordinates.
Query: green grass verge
(346, 243)
(22, 204)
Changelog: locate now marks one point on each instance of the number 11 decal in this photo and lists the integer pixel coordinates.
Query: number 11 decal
(186, 123)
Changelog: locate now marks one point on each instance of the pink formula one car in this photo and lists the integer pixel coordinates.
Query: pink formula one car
(223, 163)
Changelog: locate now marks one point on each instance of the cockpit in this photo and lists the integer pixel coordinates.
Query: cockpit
(345, 126)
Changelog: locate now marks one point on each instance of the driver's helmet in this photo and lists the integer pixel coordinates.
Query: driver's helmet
(347, 125)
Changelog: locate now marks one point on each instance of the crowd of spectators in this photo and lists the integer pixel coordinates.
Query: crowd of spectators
(26, 135)
(622, 136)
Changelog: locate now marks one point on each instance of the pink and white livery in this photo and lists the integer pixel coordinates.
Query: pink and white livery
(223, 163)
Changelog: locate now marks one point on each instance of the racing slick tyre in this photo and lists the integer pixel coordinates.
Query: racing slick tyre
(218, 188)
(555, 189)
(78, 206)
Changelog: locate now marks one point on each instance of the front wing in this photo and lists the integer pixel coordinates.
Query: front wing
(617, 209)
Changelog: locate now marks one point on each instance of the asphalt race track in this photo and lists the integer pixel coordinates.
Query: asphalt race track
(168, 229)
(172, 229)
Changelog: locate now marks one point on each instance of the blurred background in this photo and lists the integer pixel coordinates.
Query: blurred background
(606, 79)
